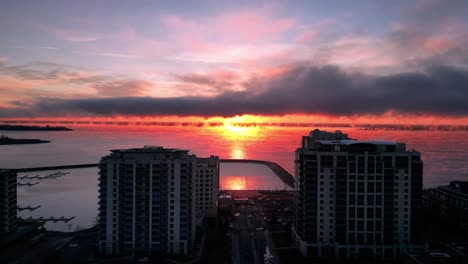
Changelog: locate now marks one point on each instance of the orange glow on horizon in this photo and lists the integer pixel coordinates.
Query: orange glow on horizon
(232, 130)
(236, 134)
(246, 125)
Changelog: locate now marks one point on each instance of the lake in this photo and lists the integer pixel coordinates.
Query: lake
(75, 194)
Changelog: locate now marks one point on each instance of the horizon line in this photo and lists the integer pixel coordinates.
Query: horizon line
(388, 126)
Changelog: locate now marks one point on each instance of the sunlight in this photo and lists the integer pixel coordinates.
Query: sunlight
(247, 125)
(234, 183)
(238, 128)
(237, 152)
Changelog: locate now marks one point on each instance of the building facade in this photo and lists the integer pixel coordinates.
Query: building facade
(450, 203)
(207, 185)
(8, 201)
(356, 198)
(147, 201)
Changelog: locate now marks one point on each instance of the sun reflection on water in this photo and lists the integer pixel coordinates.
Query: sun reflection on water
(237, 152)
(234, 183)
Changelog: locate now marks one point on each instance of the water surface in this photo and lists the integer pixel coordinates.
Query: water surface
(444, 154)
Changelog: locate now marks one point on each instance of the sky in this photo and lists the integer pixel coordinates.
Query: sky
(361, 60)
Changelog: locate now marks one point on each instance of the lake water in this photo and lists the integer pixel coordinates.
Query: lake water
(75, 194)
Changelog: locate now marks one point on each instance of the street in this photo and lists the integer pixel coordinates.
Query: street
(248, 234)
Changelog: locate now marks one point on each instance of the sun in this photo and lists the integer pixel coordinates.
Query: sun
(238, 131)
(239, 127)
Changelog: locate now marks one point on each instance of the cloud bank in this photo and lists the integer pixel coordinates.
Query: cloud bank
(300, 88)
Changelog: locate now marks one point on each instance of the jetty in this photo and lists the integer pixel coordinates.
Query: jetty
(49, 219)
(50, 176)
(29, 208)
(282, 173)
(64, 167)
(27, 184)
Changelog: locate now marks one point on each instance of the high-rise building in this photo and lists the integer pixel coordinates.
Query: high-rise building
(147, 201)
(356, 198)
(8, 202)
(207, 185)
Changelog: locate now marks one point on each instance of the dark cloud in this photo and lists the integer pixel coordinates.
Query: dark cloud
(301, 89)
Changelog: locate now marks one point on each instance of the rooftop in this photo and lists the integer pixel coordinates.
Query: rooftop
(149, 149)
(338, 141)
(460, 187)
(352, 141)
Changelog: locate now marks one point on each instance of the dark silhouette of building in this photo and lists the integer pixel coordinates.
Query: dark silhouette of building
(356, 198)
(150, 200)
(8, 201)
(450, 203)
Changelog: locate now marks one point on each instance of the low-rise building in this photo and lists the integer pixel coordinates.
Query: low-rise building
(451, 203)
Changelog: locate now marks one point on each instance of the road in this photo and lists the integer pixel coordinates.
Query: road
(242, 238)
(248, 237)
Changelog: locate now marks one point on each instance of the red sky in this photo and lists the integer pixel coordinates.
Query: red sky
(320, 61)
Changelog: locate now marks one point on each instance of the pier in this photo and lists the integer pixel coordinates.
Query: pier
(283, 174)
(27, 184)
(50, 176)
(64, 167)
(50, 219)
(29, 208)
